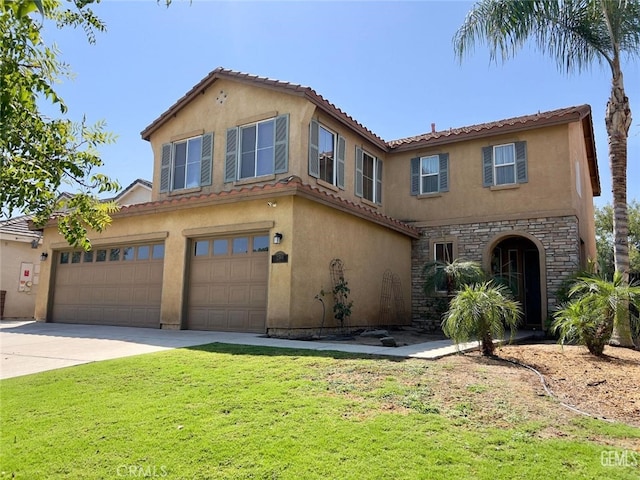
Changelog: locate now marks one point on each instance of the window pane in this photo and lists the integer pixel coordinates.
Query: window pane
(265, 134)
(367, 176)
(178, 177)
(127, 253)
(88, 257)
(201, 248)
(240, 245)
(505, 175)
(504, 154)
(143, 252)
(101, 256)
(64, 257)
(261, 243)
(114, 255)
(221, 247)
(430, 165)
(193, 176)
(444, 252)
(75, 257)
(195, 150)
(248, 139)
(430, 184)
(326, 148)
(247, 165)
(265, 162)
(180, 154)
(158, 251)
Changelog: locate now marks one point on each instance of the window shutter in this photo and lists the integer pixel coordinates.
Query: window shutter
(378, 180)
(359, 160)
(206, 159)
(231, 159)
(415, 176)
(487, 166)
(342, 147)
(521, 162)
(314, 156)
(444, 172)
(165, 168)
(282, 144)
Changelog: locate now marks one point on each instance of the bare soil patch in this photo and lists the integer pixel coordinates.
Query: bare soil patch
(607, 387)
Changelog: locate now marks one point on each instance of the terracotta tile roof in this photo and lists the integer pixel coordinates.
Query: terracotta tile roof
(291, 88)
(19, 226)
(292, 185)
(553, 117)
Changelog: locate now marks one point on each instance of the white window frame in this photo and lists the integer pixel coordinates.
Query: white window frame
(373, 178)
(512, 164)
(435, 257)
(334, 163)
(187, 166)
(241, 130)
(423, 176)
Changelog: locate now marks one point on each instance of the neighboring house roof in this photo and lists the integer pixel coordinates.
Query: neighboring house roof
(138, 183)
(527, 122)
(292, 185)
(18, 226)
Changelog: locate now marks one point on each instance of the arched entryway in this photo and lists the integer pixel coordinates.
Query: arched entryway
(518, 261)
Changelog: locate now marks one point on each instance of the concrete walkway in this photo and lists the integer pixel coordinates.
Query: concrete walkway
(28, 347)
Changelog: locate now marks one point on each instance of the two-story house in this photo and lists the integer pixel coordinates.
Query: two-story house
(260, 186)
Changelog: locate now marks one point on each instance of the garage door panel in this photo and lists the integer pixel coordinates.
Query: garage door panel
(111, 292)
(238, 295)
(236, 286)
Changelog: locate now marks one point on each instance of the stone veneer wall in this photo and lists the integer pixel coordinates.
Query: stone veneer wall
(559, 236)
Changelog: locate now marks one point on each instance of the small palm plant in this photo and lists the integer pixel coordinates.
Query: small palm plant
(450, 276)
(588, 318)
(481, 311)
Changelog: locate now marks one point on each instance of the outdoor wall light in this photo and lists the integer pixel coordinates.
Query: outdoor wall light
(277, 238)
(43, 256)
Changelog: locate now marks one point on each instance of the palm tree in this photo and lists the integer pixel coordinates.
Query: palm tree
(450, 276)
(588, 319)
(481, 311)
(576, 33)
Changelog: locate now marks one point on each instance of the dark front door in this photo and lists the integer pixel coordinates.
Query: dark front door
(532, 294)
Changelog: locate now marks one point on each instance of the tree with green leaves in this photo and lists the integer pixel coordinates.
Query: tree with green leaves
(604, 239)
(481, 311)
(576, 33)
(451, 276)
(588, 318)
(39, 155)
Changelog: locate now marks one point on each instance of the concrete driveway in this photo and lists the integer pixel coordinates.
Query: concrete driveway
(28, 347)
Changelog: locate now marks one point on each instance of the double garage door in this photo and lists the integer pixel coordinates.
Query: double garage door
(227, 289)
(119, 285)
(122, 285)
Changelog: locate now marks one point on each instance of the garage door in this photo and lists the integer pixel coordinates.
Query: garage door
(118, 285)
(228, 284)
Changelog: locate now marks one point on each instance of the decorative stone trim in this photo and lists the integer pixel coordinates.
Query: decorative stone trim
(559, 237)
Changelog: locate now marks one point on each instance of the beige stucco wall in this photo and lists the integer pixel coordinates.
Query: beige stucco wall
(15, 251)
(246, 104)
(547, 192)
(367, 250)
(313, 234)
(582, 192)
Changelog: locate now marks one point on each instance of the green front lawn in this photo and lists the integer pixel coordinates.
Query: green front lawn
(224, 411)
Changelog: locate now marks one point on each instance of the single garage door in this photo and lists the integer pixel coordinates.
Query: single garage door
(228, 284)
(119, 285)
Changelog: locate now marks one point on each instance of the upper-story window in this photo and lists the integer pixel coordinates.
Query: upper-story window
(326, 154)
(505, 164)
(430, 174)
(186, 163)
(368, 176)
(257, 149)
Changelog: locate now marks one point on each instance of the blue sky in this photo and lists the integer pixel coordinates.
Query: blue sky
(390, 65)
